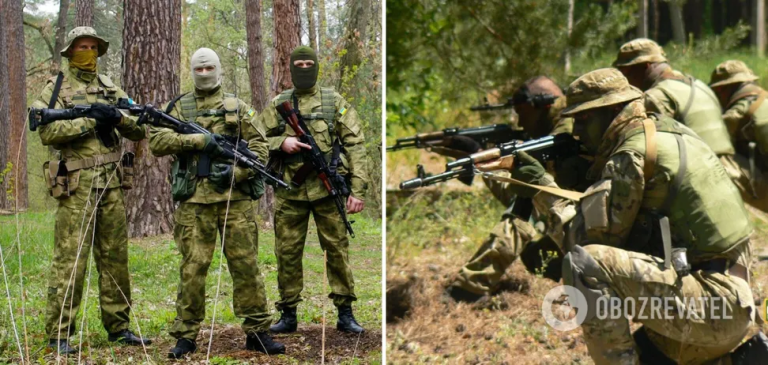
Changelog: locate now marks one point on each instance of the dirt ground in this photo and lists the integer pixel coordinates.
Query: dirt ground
(302, 347)
(424, 326)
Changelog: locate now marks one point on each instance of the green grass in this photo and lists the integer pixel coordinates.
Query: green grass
(154, 265)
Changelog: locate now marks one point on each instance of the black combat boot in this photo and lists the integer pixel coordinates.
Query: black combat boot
(183, 347)
(61, 347)
(127, 337)
(754, 351)
(347, 322)
(262, 342)
(287, 323)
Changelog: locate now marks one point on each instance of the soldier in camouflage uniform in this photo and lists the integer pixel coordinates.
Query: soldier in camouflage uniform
(652, 170)
(220, 201)
(91, 212)
(681, 97)
(746, 116)
(513, 236)
(330, 118)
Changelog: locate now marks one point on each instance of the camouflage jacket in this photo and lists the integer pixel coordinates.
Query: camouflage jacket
(164, 141)
(346, 126)
(741, 128)
(76, 139)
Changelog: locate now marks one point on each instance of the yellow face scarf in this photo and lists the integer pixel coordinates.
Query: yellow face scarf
(84, 60)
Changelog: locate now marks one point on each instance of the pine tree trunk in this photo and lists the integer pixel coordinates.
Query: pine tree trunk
(311, 25)
(322, 26)
(84, 17)
(758, 26)
(255, 54)
(642, 18)
(61, 32)
(13, 105)
(287, 26)
(567, 56)
(355, 33)
(151, 75)
(676, 18)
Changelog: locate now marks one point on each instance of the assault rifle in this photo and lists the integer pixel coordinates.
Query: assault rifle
(332, 181)
(496, 133)
(537, 100)
(543, 149)
(233, 148)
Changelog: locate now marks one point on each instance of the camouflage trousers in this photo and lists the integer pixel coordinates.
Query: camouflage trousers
(291, 223)
(483, 272)
(195, 234)
(84, 220)
(680, 336)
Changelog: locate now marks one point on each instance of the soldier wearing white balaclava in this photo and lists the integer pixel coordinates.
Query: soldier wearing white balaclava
(208, 204)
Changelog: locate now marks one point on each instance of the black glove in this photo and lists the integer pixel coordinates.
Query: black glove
(221, 176)
(528, 170)
(104, 114)
(213, 145)
(464, 144)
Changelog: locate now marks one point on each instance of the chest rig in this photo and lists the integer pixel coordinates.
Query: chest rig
(327, 108)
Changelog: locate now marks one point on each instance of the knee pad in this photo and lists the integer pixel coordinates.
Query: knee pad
(577, 264)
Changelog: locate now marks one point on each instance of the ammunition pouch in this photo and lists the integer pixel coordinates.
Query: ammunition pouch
(253, 187)
(127, 171)
(183, 178)
(63, 177)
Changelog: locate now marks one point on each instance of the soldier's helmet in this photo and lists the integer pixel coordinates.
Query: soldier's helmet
(599, 88)
(640, 50)
(84, 32)
(731, 72)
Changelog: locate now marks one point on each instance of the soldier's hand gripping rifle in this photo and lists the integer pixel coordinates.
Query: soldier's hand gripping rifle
(315, 160)
(150, 115)
(496, 133)
(543, 149)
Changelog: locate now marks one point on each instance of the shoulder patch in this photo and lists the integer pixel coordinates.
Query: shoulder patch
(251, 112)
(106, 81)
(343, 111)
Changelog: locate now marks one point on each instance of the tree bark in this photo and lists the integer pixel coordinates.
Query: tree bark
(255, 54)
(758, 27)
(357, 26)
(311, 25)
(84, 17)
(61, 31)
(286, 39)
(570, 30)
(151, 57)
(322, 26)
(676, 18)
(642, 18)
(13, 105)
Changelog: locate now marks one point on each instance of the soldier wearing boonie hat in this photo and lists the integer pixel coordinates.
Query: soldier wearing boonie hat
(681, 97)
(611, 249)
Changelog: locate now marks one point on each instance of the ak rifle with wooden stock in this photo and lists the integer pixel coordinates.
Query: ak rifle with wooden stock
(543, 149)
(536, 100)
(315, 160)
(495, 134)
(234, 148)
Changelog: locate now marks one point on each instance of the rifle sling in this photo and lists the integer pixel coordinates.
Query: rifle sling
(566, 194)
(56, 89)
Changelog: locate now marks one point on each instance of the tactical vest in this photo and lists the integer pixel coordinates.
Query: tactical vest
(698, 108)
(705, 211)
(105, 93)
(755, 124)
(185, 170)
(327, 108)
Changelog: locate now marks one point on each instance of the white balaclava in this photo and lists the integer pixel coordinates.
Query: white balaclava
(208, 80)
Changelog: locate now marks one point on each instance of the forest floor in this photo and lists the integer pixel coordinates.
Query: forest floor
(430, 234)
(153, 264)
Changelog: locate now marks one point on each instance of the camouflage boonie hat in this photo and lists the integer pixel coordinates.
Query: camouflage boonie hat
(84, 32)
(731, 72)
(599, 88)
(640, 50)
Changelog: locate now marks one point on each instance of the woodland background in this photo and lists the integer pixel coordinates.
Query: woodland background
(444, 56)
(150, 45)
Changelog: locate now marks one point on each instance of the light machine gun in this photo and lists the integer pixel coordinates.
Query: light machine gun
(496, 133)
